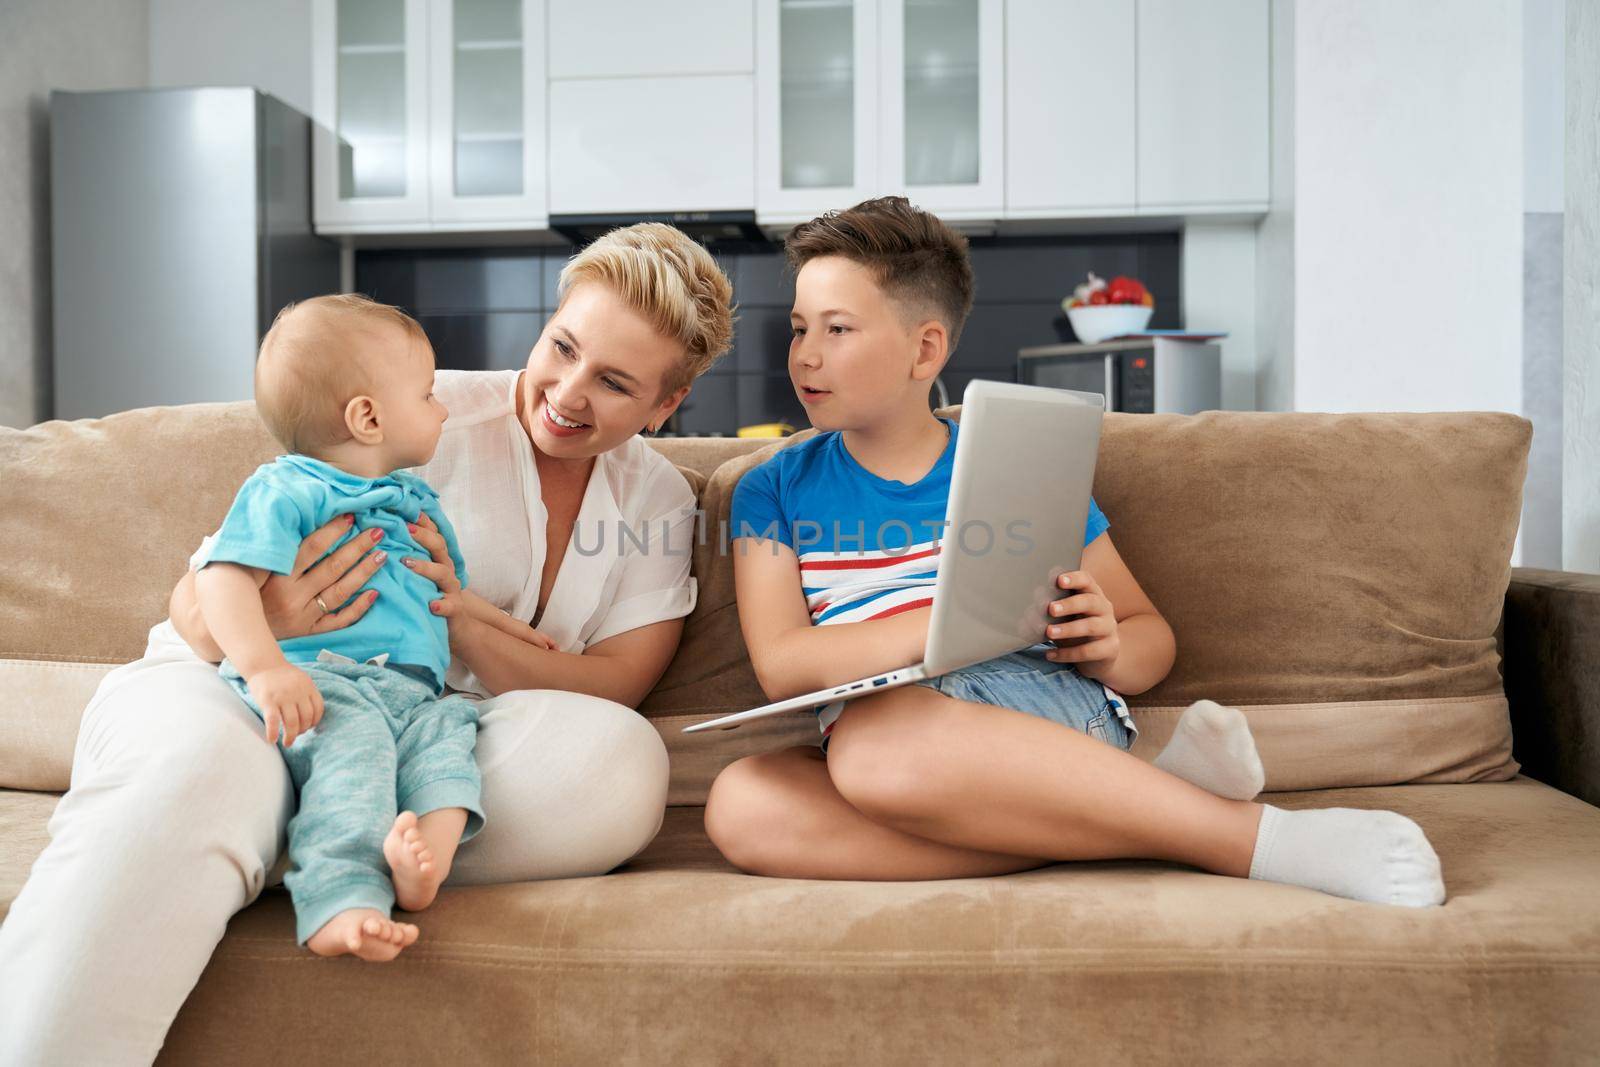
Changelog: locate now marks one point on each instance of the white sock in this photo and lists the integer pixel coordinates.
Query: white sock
(1212, 748)
(1378, 856)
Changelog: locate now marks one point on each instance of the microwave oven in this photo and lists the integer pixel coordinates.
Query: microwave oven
(1145, 375)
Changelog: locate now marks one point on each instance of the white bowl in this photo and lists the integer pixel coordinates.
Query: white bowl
(1097, 322)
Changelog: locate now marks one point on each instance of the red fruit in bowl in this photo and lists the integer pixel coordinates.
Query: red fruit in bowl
(1125, 290)
(1099, 297)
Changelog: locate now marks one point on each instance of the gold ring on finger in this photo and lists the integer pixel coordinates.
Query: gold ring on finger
(320, 604)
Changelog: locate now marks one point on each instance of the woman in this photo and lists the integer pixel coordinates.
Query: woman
(177, 812)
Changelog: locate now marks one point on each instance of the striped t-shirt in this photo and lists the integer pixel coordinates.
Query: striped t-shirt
(868, 546)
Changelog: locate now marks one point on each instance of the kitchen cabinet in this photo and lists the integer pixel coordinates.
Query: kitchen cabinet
(430, 113)
(370, 98)
(861, 98)
(627, 38)
(1203, 84)
(480, 115)
(817, 106)
(1071, 114)
(487, 130)
(652, 144)
(941, 136)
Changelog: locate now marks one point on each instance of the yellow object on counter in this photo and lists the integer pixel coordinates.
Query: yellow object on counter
(767, 429)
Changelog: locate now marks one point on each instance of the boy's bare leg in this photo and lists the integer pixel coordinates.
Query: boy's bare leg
(362, 932)
(918, 785)
(999, 780)
(779, 814)
(420, 852)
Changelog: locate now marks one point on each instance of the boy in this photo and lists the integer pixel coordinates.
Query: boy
(837, 552)
(384, 768)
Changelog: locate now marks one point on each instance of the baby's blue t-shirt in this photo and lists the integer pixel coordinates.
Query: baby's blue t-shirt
(283, 501)
(868, 546)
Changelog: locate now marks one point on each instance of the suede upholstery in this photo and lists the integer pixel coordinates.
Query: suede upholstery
(1340, 577)
(1551, 643)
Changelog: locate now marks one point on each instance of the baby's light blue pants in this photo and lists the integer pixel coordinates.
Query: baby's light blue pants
(386, 744)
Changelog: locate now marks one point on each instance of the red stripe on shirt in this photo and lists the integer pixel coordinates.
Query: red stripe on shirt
(898, 608)
(885, 561)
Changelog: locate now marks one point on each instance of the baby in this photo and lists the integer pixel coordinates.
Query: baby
(382, 763)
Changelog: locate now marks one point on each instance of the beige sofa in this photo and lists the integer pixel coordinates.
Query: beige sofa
(1341, 578)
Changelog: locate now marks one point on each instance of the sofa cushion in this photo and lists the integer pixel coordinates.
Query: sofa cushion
(1339, 577)
(676, 957)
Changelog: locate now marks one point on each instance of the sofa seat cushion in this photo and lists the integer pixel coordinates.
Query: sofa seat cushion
(677, 957)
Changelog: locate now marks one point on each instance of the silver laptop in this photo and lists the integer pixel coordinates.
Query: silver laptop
(1019, 500)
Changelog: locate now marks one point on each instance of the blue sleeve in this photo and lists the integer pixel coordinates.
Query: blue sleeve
(264, 528)
(430, 505)
(1097, 524)
(756, 511)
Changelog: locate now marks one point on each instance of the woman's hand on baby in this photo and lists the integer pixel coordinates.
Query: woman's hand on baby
(439, 569)
(290, 602)
(1096, 643)
(288, 699)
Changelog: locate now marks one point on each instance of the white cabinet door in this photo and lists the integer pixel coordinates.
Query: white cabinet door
(1203, 105)
(942, 71)
(370, 98)
(817, 99)
(639, 38)
(487, 134)
(1070, 108)
(652, 144)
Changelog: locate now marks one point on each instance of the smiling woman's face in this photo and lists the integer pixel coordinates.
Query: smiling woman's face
(597, 376)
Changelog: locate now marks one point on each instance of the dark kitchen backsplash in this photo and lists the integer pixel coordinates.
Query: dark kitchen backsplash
(485, 308)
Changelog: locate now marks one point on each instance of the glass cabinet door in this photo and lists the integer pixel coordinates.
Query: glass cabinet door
(818, 100)
(371, 111)
(372, 98)
(488, 83)
(942, 96)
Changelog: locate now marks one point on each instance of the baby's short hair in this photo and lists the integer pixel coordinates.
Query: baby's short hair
(310, 366)
(917, 260)
(669, 278)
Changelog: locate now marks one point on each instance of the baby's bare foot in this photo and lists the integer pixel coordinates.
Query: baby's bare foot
(416, 875)
(363, 932)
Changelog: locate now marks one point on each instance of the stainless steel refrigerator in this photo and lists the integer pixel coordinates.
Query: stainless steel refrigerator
(180, 224)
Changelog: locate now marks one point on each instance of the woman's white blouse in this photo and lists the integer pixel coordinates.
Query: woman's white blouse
(627, 564)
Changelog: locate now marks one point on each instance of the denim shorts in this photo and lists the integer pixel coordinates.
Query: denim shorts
(1027, 682)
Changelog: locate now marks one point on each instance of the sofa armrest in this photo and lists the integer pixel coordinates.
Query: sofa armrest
(1550, 649)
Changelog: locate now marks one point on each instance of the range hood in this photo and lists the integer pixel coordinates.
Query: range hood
(707, 227)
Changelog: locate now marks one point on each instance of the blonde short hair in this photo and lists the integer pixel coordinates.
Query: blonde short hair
(312, 362)
(666, 276)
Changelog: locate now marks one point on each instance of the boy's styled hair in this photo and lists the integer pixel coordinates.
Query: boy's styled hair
(669, 278)
(309, 366)
(915, 258)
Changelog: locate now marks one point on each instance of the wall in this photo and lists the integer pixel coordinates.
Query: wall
(1390, 265)
(1580, 536)
(1544, 61)
(1408, 205)
(48, 44)
(1275, 234)
(1219, 293)
(206, 42)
